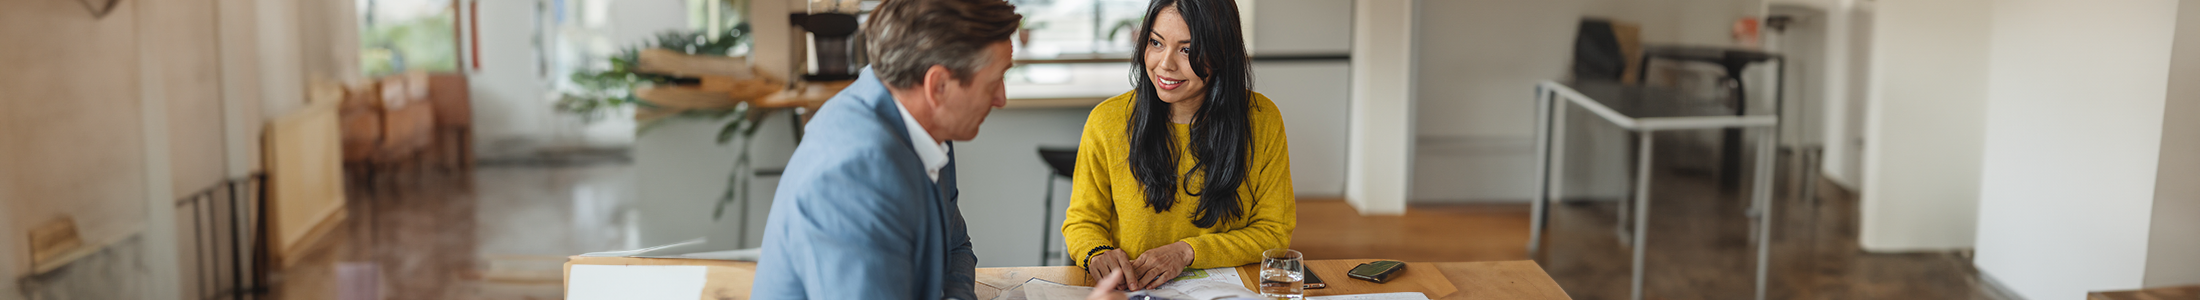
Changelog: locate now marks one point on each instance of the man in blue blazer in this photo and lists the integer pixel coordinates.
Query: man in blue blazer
(867, 206)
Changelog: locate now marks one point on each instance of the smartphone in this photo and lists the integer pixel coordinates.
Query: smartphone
(1314, 282)
(1377, 271)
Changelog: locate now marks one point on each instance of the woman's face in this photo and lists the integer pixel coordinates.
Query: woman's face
(1166, 63)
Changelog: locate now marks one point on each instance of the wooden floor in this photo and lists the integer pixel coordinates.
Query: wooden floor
(502, 232)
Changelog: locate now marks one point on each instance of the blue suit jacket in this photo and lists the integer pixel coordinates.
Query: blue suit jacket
(855, 216)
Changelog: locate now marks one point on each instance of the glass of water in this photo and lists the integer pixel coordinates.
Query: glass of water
(1282, 274)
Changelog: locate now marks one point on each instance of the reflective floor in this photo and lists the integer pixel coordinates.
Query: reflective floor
(1701, 245)
(503, 231)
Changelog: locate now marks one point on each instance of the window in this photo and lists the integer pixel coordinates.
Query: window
(1078, 29)
(400, 35)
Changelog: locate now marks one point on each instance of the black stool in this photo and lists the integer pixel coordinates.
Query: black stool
(1062, 162)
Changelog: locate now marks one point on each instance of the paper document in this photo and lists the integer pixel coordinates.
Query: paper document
(1038, 289)
(749, 254)
(669, 250)
(1203, 284)
(1206, 284)
(608, 282)
(1382, 296)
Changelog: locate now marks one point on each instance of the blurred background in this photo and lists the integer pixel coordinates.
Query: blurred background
(462, 149)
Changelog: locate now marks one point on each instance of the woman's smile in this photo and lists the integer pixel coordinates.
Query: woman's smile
(1166, 83)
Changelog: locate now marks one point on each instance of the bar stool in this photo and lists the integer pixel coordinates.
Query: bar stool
(1061, 161)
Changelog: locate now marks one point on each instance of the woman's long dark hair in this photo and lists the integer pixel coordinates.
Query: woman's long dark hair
(1221, 134)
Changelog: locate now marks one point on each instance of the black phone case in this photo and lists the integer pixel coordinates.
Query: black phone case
(1382, 276)
(1314, 282)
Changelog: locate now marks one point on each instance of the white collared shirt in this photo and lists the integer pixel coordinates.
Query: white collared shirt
(933, 155)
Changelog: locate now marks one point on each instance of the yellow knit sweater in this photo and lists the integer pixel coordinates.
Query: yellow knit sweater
(1108, 206)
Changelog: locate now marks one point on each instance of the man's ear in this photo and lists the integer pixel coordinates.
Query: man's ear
(935, 83)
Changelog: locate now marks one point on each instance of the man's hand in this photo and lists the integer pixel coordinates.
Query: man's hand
(1158, 266)
(1100, 292)
(1109, 262)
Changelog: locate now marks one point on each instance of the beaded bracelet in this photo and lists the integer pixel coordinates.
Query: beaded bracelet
(1088, 255)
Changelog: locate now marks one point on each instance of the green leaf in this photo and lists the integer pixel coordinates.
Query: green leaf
(725, 133)
(644, 128)
(730, 194)
(757, 122)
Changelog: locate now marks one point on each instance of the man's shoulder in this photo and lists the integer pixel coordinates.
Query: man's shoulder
(835, 150)
(853, 120)
(851, 142)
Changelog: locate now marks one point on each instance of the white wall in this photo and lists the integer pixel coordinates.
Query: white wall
(1924, 125)
(1313, 95)
(240, 83)
(1289, 27)
(1476, 116)
(1379, 166)
(1003, 182)
(1688, 22)
(1475, 122)
(1805, 43)
(683, 172)
(282, 76)
(635, 21)
(2074, 125)
(71, 125)
(512, 93)
(182, 105)
(1844, 157)
(87, 121)
(511, 108)
(2173, 247)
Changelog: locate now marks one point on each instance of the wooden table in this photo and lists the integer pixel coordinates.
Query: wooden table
(1519, 279)
(2174, 292)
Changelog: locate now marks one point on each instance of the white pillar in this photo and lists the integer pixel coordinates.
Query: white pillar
(240, 81)
(2173, 247)
(161, 258)
(1924, 127)
(2074, 124)
(1381, 143)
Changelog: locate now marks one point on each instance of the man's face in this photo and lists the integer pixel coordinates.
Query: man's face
(962, 106)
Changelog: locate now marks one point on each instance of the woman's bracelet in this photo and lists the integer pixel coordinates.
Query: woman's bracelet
(1088, 255)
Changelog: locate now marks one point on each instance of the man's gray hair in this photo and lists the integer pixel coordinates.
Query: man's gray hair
(908, 37)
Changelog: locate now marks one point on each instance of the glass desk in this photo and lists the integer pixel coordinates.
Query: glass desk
(1643, 111)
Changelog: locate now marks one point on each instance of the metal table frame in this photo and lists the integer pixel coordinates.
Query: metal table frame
(1550, 142)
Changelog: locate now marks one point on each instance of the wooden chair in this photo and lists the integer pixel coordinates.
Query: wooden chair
(360, 122)
(408, 124)
(454, 121)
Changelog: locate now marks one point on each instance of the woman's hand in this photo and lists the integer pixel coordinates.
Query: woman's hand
(1158, 266)
(1111, 261)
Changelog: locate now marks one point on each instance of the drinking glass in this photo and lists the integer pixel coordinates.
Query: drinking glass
(1282, 274)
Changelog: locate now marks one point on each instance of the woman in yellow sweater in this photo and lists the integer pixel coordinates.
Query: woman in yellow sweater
(1189, 169)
